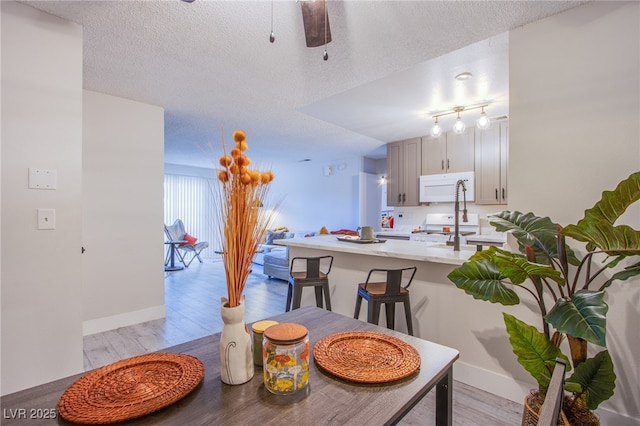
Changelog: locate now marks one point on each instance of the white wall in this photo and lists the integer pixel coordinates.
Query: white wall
(123, 155)
(42, 128)
(311, 200)
(574, 132)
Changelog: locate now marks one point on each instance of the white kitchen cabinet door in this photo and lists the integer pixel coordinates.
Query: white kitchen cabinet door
(491, 164)
(449, 153)
(403, 170)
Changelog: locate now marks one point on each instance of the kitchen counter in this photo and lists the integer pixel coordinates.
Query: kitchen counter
(441, 312)
(486, 240)
(396, 249)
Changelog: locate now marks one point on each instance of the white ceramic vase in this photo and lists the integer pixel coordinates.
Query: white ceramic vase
(236, 352)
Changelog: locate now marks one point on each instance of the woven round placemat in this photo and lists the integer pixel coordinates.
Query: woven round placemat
(366, 357)
(130, 388)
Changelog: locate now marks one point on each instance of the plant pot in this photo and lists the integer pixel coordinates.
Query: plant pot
(236, 352)
(573, 416)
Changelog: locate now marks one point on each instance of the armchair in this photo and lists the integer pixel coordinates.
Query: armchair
(176, 232)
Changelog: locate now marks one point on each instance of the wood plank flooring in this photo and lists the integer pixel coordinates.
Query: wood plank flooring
(192, 299)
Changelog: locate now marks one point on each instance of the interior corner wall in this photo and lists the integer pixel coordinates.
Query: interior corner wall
(329, 191)
(41, 128)
(574, 132)
(123, 190)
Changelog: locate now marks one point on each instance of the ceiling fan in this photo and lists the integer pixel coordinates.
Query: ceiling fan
(315, 20)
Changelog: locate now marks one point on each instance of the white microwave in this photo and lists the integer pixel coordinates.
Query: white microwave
(442, 187)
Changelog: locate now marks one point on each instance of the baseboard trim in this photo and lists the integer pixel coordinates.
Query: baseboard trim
(489, 381)
(100, 325)
(513, 390)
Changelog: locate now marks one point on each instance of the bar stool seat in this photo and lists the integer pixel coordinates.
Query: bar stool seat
(315, 274)
(389, 292)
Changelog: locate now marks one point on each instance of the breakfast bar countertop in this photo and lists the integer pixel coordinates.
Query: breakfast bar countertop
(399, 249)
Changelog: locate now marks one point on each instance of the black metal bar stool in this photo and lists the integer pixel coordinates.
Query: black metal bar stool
(315, 274)
(389, 292)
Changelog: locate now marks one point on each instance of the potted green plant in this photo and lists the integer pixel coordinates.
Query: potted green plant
(569, 292)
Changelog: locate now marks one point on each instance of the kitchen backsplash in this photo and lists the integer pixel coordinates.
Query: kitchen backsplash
(413, 217)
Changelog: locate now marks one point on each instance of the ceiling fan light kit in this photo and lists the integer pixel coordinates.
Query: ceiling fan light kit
(459, 126)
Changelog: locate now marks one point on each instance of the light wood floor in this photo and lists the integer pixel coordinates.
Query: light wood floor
(192, 299)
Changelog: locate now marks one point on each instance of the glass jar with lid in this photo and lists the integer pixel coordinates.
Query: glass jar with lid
(285, 358)
(258, 329)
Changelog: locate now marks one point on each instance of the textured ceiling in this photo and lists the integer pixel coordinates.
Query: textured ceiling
(210, 65)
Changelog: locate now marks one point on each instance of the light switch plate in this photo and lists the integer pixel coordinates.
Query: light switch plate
(46, 218)
(43, 178)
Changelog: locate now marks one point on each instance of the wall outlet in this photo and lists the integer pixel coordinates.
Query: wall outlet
(43, 179)
(46, 219)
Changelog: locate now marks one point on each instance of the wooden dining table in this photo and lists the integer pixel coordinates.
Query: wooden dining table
(327, 400)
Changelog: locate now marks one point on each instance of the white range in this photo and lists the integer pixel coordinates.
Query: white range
(440, 228)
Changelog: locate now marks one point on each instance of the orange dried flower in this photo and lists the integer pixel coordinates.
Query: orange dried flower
(235, 153)
(242, 146)
(242, 160)
(245, 178)
(239, 136)
(242, 225)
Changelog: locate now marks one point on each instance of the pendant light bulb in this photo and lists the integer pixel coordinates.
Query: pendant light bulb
(459, 126)
(325, 56)
(436, 130)
(483, 122)
(272, 37)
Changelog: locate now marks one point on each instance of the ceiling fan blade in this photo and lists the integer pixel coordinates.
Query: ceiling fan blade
(313, 19)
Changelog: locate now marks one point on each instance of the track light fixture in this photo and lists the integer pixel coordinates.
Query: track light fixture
(436, 130)
(459, 126)
(483, 122)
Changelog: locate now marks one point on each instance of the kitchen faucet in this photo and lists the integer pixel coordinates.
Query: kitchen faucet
(456, 235)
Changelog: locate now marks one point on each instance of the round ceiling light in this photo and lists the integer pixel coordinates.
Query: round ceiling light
(463, 76)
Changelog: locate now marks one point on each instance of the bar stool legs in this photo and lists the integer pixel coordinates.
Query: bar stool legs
(388, 292)
(316, 275)
(295, 293)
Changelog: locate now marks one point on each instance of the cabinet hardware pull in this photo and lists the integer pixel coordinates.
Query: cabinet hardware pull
(448, 165)
(404, 198)
(399, 197)
(504, 196)
(442, 166)
(496, 194)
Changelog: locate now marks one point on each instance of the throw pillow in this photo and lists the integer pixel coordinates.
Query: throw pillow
(190, 241)
(274, 236)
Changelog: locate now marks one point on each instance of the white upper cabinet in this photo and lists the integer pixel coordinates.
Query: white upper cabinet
(492, 154)
(449, 153)
(403, 170)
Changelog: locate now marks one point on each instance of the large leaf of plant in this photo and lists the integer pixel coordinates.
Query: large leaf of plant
(538, 232)
(518, 269)
(584, 316)
(483, 280)
(596, 228)
(595, 378)
(626, 273)
(515, 266)
(534, 351)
